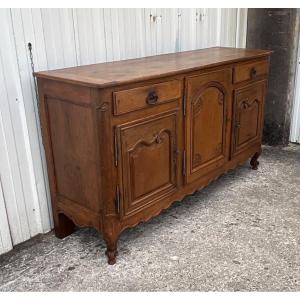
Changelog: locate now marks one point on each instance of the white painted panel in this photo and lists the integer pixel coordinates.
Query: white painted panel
(59, 37)
(98, 32)
(241, 27)
(211, 31)
(70, 37)
(151, 17)
(187, 29)
(24, 31)
(228, 27)
(10, 158)
(140, 32)
(295, 122)
(112, 34)
(5, 238)
(128, 45)
(168, 22)
(84, 27)
(149, 40)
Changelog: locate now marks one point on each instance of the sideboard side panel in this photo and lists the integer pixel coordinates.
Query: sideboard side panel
(67, 117)
(74, 155)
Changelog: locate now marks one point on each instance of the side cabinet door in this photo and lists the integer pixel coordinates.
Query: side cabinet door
(148, 170)
(207, 122)
(248, 116)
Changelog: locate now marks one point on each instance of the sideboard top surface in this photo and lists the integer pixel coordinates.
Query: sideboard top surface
(134, 70)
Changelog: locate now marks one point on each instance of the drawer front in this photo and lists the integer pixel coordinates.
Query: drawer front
(147, 96)
(250, 70)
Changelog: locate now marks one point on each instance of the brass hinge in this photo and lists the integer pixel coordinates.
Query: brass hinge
(118, 199)
(116, 148)
(184, 104)
(184, 163)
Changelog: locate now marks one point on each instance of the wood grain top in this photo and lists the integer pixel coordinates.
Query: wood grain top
(133, 70)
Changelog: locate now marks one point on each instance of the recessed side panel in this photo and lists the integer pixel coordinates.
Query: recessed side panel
(73, 148)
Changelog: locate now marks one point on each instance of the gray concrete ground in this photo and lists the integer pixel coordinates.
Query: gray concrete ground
(241, 233)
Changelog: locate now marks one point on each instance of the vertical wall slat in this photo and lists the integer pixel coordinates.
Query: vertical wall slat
(228, 27)
(5, 235)
(187, 29)
(148, 29)
(59, 37)
(10, 158)
(295, 122)
(140, 32)
(99, 34)
(24, 31)
(241, 28)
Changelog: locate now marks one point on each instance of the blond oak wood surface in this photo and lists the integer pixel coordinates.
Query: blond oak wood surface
(120, 72)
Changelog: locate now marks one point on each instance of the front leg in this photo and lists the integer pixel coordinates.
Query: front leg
(111, 250)
(254, 160)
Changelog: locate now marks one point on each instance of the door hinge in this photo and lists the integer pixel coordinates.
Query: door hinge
(118, 199)
(175, 152)
(116, 149)
(184, 104)
(184, 163)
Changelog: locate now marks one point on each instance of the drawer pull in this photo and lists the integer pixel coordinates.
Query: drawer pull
(253, 72)
(152, 98)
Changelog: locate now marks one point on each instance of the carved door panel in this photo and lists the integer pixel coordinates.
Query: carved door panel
(248, 116)
(207, 122)
(148, 171)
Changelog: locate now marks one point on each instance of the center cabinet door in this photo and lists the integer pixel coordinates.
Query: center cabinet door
(149, 160)
(208, 113)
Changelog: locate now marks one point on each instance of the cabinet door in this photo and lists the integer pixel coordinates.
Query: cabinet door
(248, 116)
(148, 170)
(207, 127)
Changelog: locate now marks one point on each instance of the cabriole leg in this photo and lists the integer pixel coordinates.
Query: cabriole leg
(111, 250)
(254, 160)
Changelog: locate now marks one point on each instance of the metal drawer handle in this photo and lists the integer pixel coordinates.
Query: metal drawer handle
(152, 98)
(253, 72)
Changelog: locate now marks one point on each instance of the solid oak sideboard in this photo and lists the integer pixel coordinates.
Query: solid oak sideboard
(126, 139)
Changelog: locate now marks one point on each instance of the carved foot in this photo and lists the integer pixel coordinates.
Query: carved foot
(63, 226)
(111, 256)
(111, 251)
(254, 162)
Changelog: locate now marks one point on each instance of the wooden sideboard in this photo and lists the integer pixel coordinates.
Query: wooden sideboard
(126, 139)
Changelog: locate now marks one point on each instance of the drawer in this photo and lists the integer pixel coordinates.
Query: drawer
(146, 96)
(250, 70)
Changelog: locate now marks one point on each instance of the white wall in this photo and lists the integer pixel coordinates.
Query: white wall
(295, 121)
(71, 37)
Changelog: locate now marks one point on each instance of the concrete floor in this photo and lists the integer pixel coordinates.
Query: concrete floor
(241, 233)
